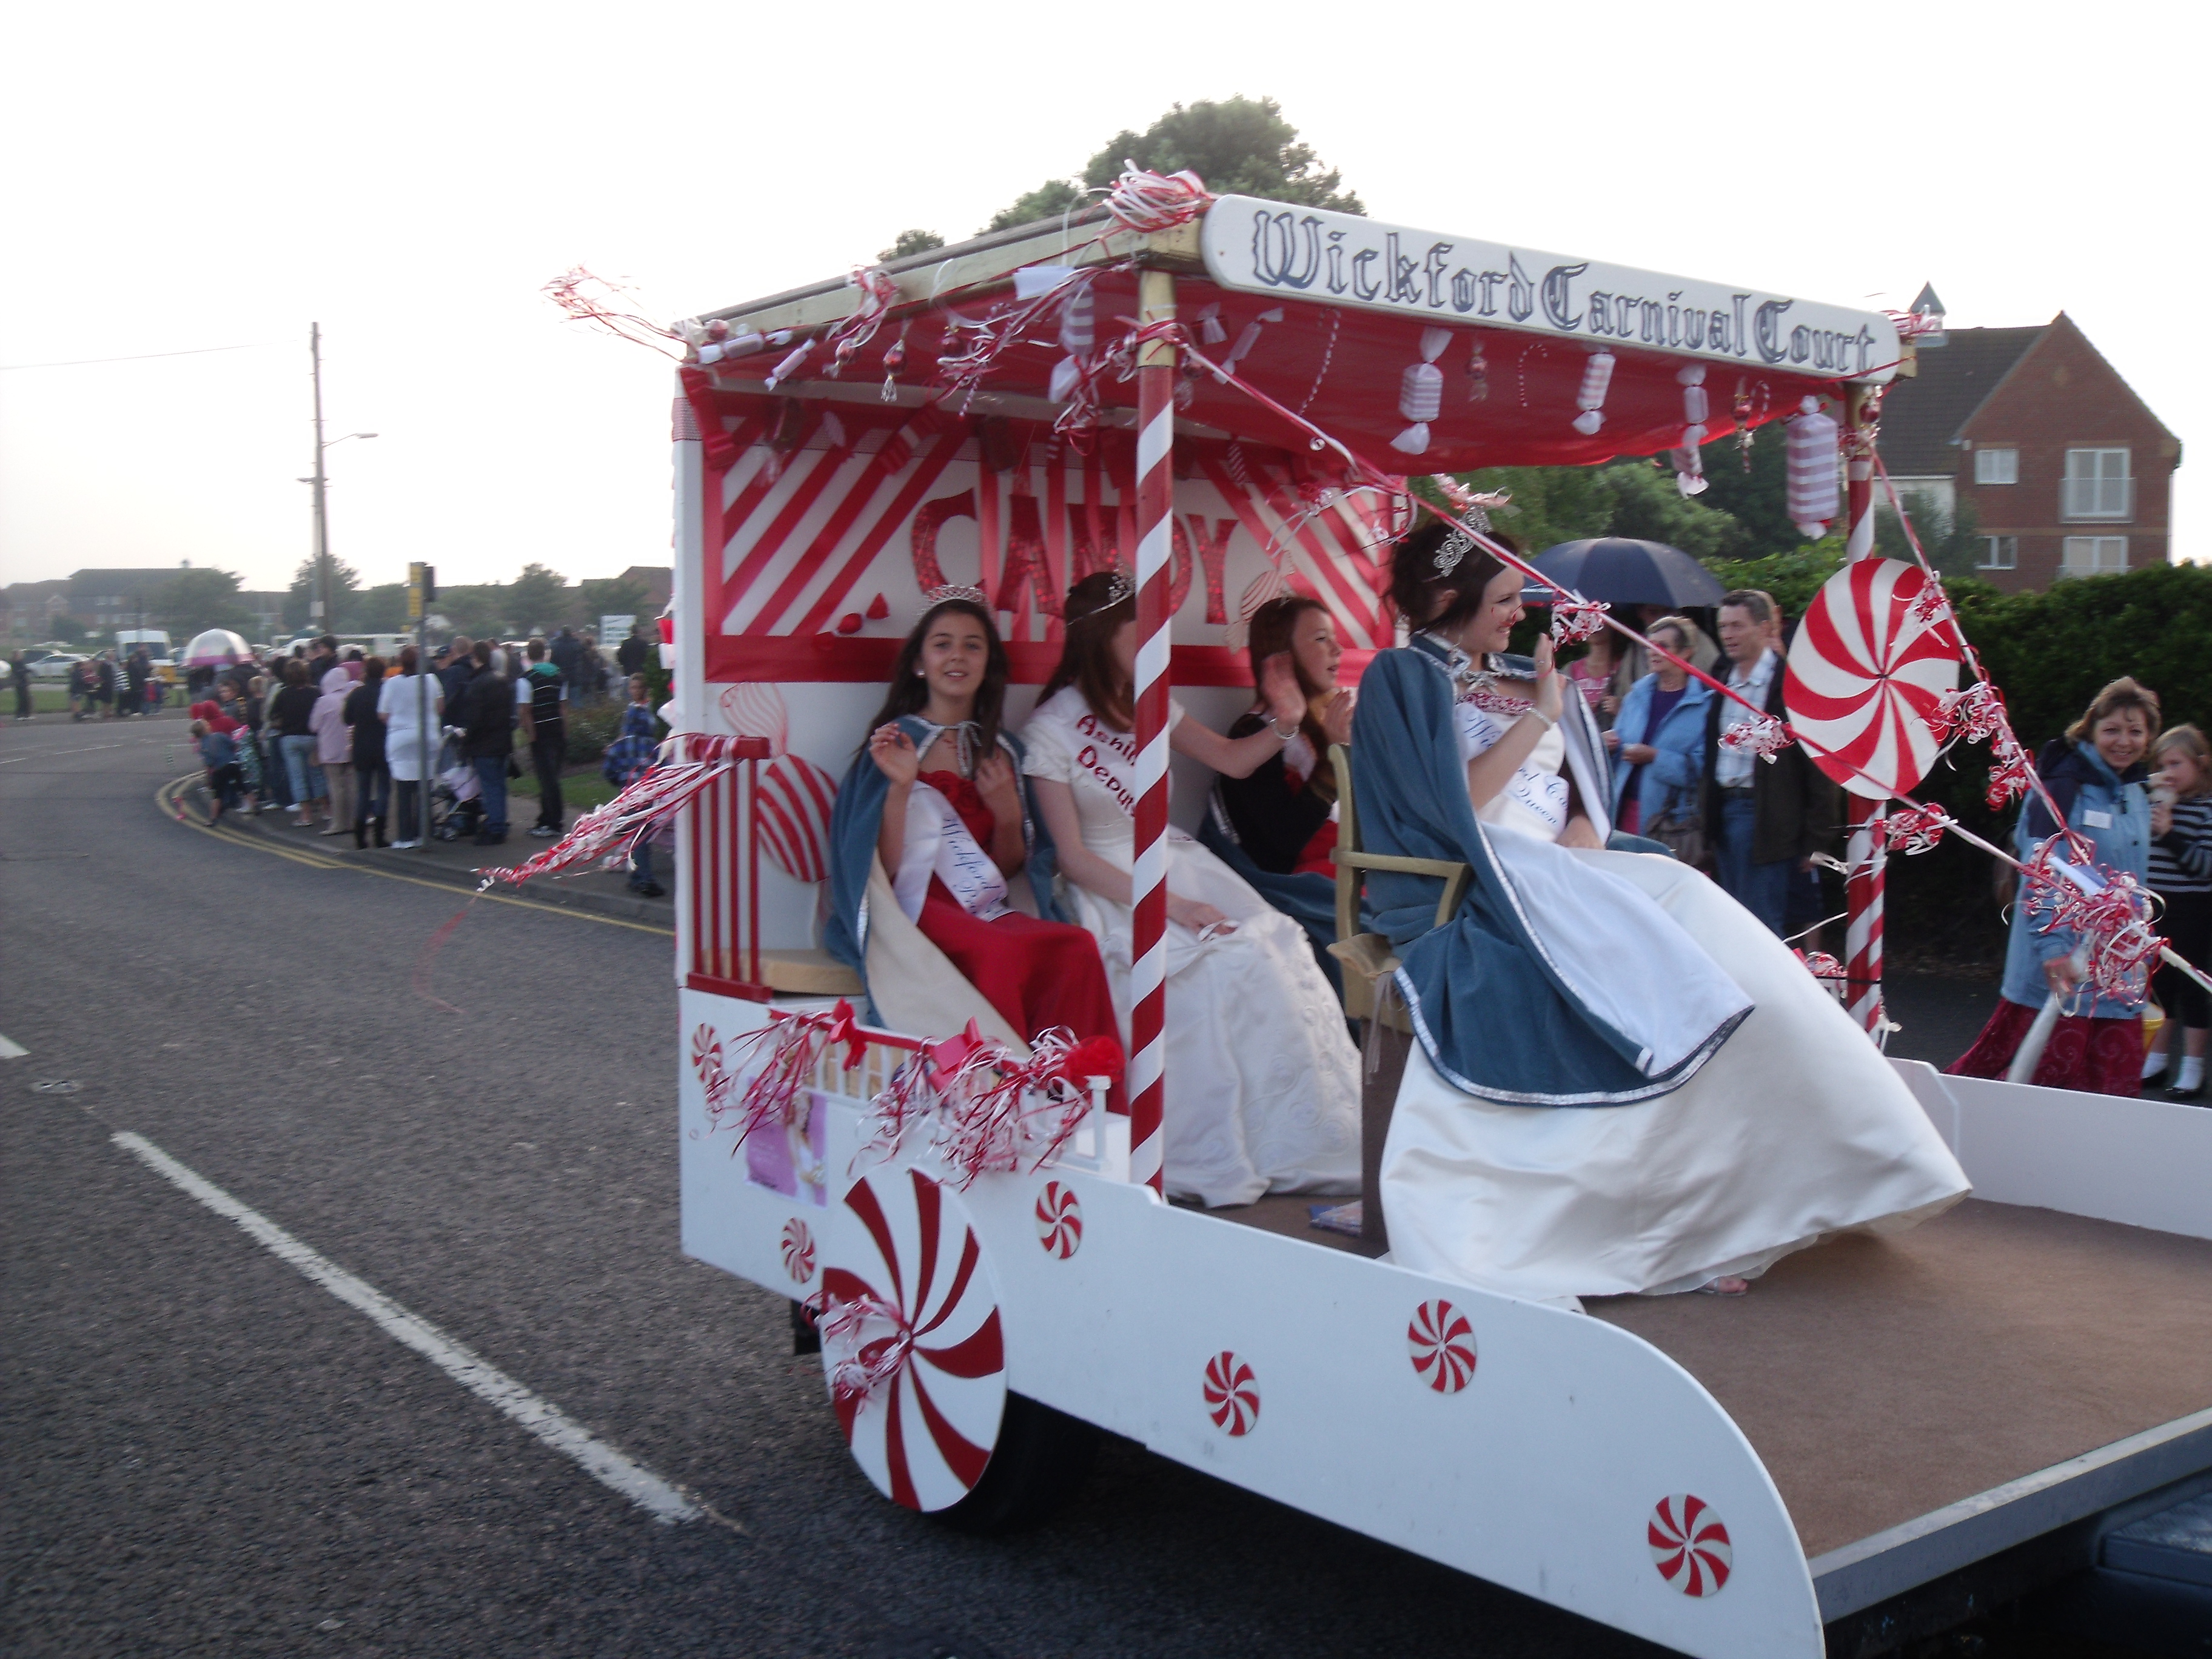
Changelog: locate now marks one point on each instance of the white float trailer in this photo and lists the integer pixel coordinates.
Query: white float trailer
(1887, 1436)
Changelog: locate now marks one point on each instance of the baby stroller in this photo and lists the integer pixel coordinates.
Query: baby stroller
(456, 810)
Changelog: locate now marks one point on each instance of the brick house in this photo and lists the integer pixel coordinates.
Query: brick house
(2067, 470)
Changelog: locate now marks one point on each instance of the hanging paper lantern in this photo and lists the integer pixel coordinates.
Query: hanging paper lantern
(1597, 376)
(1421, 392)
(1811, 470)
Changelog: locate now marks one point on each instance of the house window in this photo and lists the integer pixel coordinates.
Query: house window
(1997, 466)
(2094, 555)
(2097, 484)
(2000, 552)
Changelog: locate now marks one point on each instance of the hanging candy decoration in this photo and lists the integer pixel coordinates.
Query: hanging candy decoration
(1689, 463)
(894, 360)
(1421, 392)
(1744, 430)
(1210, 330)
(1812, 449)
(1247, 337)
(879, 293)
(1868, 676)
(912, 1345)
(1079, 336)
(1597, 377)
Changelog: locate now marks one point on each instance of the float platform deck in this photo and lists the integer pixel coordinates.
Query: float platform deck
(1906, 1392)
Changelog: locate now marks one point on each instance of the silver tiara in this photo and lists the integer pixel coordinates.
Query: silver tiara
(1457, 546)
(944, 595)
(1118, 585)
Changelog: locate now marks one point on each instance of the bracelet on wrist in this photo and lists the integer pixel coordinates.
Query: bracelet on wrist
(1281, 736)
(1548, 721)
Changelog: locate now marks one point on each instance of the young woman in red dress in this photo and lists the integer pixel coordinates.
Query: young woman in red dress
(957, 837)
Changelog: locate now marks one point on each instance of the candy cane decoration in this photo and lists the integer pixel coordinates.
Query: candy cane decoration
(1863, 850)
(1148, 883)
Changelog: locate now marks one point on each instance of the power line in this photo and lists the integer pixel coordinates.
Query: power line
(138, 357)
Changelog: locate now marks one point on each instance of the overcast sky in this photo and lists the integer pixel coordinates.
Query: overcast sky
(221, 174)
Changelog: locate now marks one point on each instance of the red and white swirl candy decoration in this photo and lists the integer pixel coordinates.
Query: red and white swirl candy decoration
(1059, 1220)
(1441, 1343)
(1868, 676)
(756, 710)
(1232, 1394)
(911, 1343)
(795, 798)
(798, 1250)
(1689, 1544)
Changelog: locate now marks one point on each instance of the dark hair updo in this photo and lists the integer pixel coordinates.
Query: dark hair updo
(1429, 597)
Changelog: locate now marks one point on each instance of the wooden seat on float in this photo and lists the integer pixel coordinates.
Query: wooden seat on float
(1369, 962)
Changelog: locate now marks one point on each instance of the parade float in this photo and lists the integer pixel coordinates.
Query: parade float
(1227, 399)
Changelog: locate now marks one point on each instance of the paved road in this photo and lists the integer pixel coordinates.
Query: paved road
(205, 1452)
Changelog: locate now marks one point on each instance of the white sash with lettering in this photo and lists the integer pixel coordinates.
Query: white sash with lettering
(938, 844)
(1110, 757)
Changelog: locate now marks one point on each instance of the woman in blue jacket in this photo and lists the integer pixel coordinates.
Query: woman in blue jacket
(1659, 760)
(2095, 774)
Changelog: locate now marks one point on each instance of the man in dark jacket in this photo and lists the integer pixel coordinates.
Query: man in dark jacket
(1766, 819)
(454, 674)
(568, 653)
(489, 720)
(538, 699)
(631, 651)
(19, 676)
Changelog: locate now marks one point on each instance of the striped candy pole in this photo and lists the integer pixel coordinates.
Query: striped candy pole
(1862, 889)
(1148, 888)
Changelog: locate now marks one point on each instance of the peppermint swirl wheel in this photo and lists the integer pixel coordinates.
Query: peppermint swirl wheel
(798, 1250)
(1867, 676)
(1689, 1544)
(1441, 1343)
(1059, 1220)
(911, 1343)
(1232, 1394)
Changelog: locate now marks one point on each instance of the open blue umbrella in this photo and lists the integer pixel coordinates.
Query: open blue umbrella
(1621, 570)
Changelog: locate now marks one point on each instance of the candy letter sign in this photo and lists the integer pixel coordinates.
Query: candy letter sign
(1264, 247)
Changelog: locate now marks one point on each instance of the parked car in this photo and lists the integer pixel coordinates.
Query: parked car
(56, 665)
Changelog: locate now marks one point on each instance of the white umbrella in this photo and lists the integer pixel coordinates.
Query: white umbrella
(216, 648)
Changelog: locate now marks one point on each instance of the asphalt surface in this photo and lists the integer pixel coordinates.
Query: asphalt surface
(203, 1451)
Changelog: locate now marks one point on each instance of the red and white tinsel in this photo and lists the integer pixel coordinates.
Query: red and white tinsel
(1761, 735)
(988, 1111)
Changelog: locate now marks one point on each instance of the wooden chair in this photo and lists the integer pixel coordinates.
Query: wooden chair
(1368, 955)
(1367, 961)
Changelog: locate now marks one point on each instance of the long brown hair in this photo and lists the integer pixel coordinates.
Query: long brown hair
(908, 693)
(1086, 657)
(1273, 627)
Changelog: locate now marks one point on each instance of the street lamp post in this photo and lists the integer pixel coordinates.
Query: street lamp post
(321, 601)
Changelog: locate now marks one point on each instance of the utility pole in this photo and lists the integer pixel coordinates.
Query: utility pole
(319, 608)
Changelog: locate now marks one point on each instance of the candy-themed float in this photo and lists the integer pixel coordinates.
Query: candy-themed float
(1224, 398)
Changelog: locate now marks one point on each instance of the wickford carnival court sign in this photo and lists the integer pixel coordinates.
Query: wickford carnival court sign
(1264, 248)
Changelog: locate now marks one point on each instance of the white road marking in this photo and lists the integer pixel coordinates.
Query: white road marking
(11, 1050)
(662, 1500)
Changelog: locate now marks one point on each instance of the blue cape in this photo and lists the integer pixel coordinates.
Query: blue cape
(857, 819)
(1308, 900)
(1488, 1007)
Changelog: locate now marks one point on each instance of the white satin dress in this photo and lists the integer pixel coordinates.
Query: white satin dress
(1796, 1129)
(1262, 1084)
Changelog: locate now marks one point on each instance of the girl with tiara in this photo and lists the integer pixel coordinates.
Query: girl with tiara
(940, 879)
(1620, 1081)
(1262, 1082)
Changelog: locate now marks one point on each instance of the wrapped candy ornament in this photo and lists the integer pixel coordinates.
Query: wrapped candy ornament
(1597, 376)
(1812, 454)
(1078, 336)
(1689, 463)
(1421, 392)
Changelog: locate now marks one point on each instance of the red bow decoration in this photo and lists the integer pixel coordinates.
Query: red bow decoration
(1761, 735)
(1910, 829)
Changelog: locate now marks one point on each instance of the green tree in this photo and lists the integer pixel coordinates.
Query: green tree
(70, 630)
(299, 598)
(1555, 504)
(1757, 497)
(201, 597)
(1240, 146)
(1949, 540)
(907, 243)
(477, 609)
(611, 595)
(379, 610)
(538, 599)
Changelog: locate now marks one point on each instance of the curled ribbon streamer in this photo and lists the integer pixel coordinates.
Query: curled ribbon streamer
(868, 1342)
(989, 1112)
(2107, 908)
(788, 1048)
(1910, 829)
(1761, 735)
(1574, 621)
(1153, 201)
